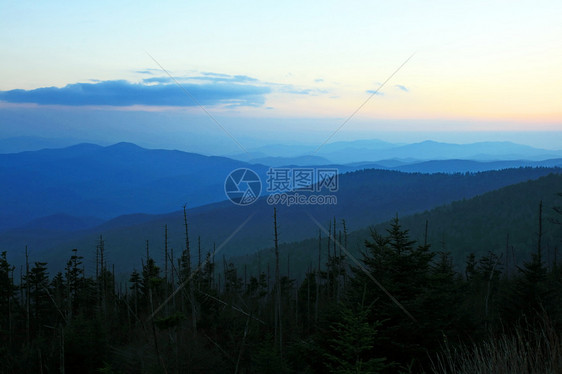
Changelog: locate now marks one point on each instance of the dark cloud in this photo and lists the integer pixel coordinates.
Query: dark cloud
(123, 93)
(403, 88)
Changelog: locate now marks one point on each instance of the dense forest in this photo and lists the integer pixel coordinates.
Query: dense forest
(399, 307)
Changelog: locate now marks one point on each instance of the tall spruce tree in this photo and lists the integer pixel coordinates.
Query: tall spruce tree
(403, 269)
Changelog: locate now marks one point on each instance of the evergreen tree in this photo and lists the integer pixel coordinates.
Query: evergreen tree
(151, 279)
(37, 281)
(136, 286)
(470, 269)
(7, 308)
(531, 295)
(74, 274)
(351, 344)
(402, 269)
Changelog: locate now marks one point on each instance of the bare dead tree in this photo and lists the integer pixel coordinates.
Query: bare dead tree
(188, 274)
(318, 276)
(278, 323)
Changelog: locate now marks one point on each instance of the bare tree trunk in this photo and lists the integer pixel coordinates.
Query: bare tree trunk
(318, 276)
(278, 323)
(343, 269)
(10, 289)
(334, 238)
(40, 361)
(489, 287)
(27, 295)
(296, 303)
(154, 333)
(507, 256)
(62, 369)
(288, 265)
(172, 277)
(102, 273)
(199, 252)
(213, 262)
(188, 265)
(113, 290)
(539, 241)
(308, 294)
(188, 275)
(166, 291)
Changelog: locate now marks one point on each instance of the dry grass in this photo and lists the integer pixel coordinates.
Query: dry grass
(535, 349)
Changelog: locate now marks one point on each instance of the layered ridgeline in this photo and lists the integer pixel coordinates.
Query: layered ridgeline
(88, 180)
(374, 150)
(504, 222)
(95, 183)
(365, 198)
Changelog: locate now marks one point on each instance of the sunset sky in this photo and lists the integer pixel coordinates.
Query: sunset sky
(270, 70)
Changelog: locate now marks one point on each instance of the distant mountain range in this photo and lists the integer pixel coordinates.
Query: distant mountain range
(342, 152)
(33, 143)
(56, 199)
(105, 182)
(375, 150)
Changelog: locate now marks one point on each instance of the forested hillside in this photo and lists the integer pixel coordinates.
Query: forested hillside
(400, 307)
(504, 222)
(364, 198)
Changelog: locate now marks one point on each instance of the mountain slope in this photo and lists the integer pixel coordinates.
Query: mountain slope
(506, 218)
(365, 198)
(90, 180)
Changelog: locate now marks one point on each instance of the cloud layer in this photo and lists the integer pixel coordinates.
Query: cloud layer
(157, 91)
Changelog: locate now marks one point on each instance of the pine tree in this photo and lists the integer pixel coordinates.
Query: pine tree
(532, 295)
(136, 286)
(151, 279)
(74, 279)
(351, 344)
(37, 282)
(402, 269)
(7, 306)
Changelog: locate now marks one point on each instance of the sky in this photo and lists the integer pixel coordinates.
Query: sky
(216, 76)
